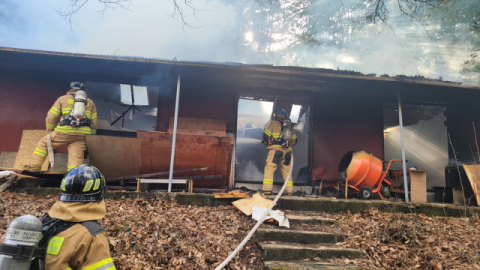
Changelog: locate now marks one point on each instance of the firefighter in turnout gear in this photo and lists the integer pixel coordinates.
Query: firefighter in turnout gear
(83, 245)
(78, 117)
(279, 136)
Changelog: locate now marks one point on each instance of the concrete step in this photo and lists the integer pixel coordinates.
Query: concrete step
(309, 220)
(281, 252)
(302, 237)
(277, 265)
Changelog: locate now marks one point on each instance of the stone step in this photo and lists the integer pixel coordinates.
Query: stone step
(309, 220)
(302, 237)
(277, 265)
(282, 252)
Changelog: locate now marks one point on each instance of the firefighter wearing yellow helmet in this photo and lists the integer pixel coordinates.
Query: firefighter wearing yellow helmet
(78, 117)
(279, 136)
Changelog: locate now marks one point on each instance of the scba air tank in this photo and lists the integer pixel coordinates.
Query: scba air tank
(23, 231)
(78, 111)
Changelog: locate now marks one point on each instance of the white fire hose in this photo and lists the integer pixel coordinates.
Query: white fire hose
(50, 151)
(260, 221)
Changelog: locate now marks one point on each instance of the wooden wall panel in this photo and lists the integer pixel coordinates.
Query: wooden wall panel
(192, 151)
(114, 156)
(200, 126)
(28, 143)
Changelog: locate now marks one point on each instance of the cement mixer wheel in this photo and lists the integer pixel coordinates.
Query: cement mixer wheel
(365, 193)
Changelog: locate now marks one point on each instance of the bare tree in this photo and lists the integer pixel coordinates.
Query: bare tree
(179, 9)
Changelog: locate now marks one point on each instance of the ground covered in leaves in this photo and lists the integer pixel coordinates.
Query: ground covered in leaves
(411, 241)
(155, 234)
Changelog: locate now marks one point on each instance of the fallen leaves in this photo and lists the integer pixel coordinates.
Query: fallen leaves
(152, 234)
(411, 241)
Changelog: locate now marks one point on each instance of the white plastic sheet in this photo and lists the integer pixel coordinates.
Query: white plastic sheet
(278, 215)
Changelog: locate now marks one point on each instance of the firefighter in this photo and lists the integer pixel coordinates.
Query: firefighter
(78, 117)
(279, 136)
(69, 236)
(83, 245)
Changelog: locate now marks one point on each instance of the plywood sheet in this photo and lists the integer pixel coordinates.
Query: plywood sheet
(114, 156)
(192, 151)
(7, 159)
(257, 200)
(418, 183)
(200, 126)
(28, 143)
(473, 173)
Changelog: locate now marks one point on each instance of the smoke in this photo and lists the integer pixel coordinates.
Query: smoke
(248, 171)
(252, 32)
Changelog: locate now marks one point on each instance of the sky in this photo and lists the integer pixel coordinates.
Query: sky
(225, 33)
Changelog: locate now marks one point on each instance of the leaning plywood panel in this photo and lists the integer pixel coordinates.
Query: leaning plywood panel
(192, 151)
(473, 173)
(200, 126)
(257, 200)
(114, 156)
(28, 143)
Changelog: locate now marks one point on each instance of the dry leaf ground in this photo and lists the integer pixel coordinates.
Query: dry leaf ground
(155, 234)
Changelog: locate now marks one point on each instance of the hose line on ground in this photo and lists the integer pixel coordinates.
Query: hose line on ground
(260, 221)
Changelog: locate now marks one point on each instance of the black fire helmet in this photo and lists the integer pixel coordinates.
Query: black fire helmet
(84, 183)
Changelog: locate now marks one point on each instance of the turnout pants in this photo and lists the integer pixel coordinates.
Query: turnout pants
(76, 148)
(275, 158)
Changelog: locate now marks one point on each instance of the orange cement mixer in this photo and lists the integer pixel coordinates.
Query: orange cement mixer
(364, 174)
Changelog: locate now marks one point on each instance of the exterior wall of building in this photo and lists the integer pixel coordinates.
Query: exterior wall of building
(343, 123)
(196, 102)
(24, 105)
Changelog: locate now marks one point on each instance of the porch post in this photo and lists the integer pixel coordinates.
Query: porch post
(174, 138)
(404, 165)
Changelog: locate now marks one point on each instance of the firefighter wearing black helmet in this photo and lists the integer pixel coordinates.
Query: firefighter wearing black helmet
(79, 242)
(71, 117)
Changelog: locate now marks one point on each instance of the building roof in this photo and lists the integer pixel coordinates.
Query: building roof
(285, 72)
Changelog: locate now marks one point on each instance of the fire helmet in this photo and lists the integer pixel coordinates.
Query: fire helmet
(78, 85)
(280, 111)
(84, 183)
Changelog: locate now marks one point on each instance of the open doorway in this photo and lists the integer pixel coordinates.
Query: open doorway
(254, 113)
(425, 135)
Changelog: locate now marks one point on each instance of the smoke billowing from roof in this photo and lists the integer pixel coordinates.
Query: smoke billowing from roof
(323, 34)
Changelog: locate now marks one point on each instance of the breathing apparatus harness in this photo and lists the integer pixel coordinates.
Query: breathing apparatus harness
(77, 118)
(285, 137)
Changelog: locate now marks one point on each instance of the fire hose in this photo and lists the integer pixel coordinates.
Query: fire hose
(50, 150)
(260, 221)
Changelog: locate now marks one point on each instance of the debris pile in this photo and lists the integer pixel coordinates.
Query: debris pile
(156, 234)
(411, 241)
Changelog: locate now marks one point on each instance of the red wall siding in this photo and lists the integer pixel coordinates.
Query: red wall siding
(23, 105)
(342, 124)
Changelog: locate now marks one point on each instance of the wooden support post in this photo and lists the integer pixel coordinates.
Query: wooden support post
(138, 185)
(190, 186)
(320, 189)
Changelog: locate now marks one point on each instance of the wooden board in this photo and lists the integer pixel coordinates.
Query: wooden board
(7, 159)
(114, 156)
(473, 173)
(192, 151)
(418, 184)
(257, 200)
(28, 143)
(200, 126)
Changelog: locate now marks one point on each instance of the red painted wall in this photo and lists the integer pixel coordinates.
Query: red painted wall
(341, 124)
(23, 105)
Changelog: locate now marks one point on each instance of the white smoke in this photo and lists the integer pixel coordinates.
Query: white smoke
(248, 171)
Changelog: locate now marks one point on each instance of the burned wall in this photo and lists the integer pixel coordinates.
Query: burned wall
(344, 122)
(199, 101)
